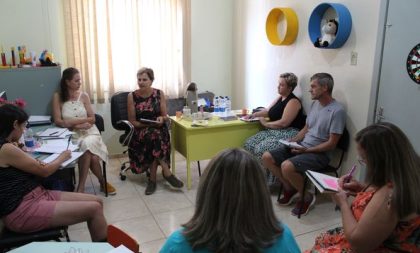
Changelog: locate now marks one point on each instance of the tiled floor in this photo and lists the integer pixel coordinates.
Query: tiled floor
(151, 219)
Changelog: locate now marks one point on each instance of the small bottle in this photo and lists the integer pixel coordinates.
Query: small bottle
(186, 111)
(29, 138)
(216, 105)
(228, 105)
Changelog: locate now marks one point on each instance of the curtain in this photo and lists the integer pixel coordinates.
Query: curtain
(108, 41)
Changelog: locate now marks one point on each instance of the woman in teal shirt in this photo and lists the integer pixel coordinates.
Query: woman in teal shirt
(233, 211)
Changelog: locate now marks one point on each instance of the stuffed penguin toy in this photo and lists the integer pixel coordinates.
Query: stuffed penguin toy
(329, 31)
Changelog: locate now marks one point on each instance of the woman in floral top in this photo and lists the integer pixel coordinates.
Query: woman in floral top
(150, 145)
(384, 216)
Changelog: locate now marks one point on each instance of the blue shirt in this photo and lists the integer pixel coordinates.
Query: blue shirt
(177, 243)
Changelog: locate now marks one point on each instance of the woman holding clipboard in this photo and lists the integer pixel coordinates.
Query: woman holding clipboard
(150, 145)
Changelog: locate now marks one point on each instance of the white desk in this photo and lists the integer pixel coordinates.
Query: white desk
(64, 247)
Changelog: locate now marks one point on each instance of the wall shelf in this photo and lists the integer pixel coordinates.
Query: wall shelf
(344, 24)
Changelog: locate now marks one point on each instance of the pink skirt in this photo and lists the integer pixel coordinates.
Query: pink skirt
(34, 212)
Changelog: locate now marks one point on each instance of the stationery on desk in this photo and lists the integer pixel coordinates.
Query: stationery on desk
(291, 144)
(54, 132)
(74, 156)
(324, 183)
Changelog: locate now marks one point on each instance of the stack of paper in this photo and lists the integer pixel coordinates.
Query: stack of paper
(74, 156)
(56, 146)
(324, 183)
(249, 119)
(35, 120)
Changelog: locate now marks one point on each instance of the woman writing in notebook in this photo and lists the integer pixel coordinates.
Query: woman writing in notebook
(25, 206)
(72, 109)
(385, 214)
(150, 145)
(286, 119)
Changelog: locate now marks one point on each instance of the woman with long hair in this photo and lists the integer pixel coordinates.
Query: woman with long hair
(25, 206)
(72, 109)
(384, 216)
(233, 211)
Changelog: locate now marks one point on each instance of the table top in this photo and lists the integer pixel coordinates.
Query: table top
(214, 122)
(65, 247)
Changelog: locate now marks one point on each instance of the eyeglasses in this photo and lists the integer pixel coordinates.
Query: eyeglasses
(361, 161)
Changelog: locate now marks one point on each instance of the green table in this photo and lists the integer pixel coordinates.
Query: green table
(201, 143)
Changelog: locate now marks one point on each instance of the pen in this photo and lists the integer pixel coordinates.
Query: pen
(68, 143)
(350, 175)
(347, 180)
(53, 133)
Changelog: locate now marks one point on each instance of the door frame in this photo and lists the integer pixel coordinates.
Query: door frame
(377, 65)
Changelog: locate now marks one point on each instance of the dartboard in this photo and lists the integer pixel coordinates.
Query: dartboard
(413, 64)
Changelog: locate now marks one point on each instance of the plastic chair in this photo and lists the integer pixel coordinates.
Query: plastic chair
(117, 237)
(342, 147)
(10, 239)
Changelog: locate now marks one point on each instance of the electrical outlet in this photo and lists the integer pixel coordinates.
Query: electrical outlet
(353, 58)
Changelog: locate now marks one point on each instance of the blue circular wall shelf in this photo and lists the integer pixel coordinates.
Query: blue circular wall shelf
(343, 19)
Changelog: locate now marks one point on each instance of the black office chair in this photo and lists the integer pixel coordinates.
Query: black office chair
(10, 239)
(119, 120)
(341, 148)
(99, 122)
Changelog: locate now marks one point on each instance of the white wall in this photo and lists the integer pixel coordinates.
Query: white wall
(257, 63)
(211, 45)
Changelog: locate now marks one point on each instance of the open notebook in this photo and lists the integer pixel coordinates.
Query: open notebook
(324, 183)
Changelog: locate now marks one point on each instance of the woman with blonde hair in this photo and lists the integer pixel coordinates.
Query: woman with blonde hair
(233, 211)
(286, 118)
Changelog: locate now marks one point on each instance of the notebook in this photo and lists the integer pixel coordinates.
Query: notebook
(324, 183)
(291, 144)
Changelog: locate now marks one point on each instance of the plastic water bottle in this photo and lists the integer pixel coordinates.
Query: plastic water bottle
(29, 138)
(216, 106)
(222, 106)
(228, 105)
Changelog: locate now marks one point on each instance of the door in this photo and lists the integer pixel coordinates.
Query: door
(399, 96)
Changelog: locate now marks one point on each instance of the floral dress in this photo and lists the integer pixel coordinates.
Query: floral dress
(148, 143)
(404, 238)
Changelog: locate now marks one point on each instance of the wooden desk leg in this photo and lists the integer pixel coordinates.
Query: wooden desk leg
(188, 174)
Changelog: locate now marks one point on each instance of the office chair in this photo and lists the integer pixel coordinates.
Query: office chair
(119, 120)
(117, 237)
(10, 239)
(341, 148)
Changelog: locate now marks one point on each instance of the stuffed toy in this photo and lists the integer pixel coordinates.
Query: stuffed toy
(329, 31)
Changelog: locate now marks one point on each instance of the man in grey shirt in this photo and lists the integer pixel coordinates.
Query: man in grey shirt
(324, 126)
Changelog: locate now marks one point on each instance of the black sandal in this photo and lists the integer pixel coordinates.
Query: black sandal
(150, 188)
(173, 181)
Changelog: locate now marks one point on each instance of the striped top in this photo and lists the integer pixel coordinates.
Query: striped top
(14, 185)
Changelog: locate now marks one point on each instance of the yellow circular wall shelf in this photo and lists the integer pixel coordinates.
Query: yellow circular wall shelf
(292, 26)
